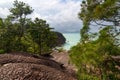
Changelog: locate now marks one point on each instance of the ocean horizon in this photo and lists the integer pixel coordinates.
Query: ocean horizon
(71, 40)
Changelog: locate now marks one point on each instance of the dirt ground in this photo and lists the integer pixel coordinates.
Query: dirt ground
(63, 57)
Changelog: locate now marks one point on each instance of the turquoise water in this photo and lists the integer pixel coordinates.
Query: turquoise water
(71, 40)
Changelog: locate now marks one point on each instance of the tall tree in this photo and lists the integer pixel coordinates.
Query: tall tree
(19, 33)
(98, 12)
(19, 15)
(42, 35)
(93, 57)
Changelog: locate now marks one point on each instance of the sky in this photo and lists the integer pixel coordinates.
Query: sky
(60, 14)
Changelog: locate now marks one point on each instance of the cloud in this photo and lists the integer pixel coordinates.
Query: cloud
(4, 12)
(60, 14)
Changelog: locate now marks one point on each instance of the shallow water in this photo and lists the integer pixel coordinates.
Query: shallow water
(71, 40)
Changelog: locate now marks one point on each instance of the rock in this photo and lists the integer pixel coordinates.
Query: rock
(60, 39)
(27, 71)
(27, 58)
(19, 66)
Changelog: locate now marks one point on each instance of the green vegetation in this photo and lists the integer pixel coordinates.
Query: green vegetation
(19, 33)
(93, 55)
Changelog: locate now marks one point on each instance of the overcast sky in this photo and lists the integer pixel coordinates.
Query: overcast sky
(60, 14)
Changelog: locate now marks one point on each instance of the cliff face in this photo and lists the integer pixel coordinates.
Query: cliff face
(60, 39)
(24, 66)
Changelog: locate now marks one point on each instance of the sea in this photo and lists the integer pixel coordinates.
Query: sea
(71, 40)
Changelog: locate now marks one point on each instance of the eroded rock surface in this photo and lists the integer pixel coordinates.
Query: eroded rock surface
(18, 66)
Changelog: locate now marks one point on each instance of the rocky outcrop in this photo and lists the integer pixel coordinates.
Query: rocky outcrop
(60, 39)
(19, 66)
